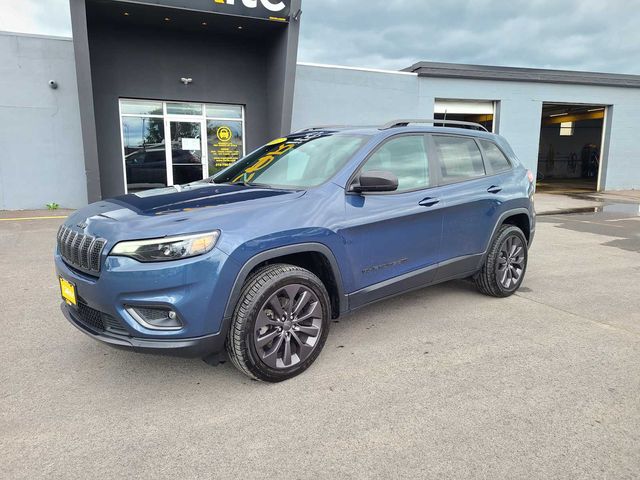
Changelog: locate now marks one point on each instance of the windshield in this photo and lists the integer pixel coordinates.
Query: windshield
(294, 162)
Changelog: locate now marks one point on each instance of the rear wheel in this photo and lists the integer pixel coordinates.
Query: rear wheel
(280, 323)
(505, 265)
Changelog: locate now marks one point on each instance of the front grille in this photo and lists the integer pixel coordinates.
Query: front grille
(90, 317)
(79, 250)
(98, 320)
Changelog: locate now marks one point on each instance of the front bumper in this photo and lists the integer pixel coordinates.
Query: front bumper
(197, 289)
(186, 347)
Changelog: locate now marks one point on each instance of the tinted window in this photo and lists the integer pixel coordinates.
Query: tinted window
(224, 111)
(184, 108)
(494, 156)
(460, 158)
(405, 157)
(140, 107)
(144, 152)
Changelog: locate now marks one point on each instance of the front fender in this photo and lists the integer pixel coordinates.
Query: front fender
(250, 262)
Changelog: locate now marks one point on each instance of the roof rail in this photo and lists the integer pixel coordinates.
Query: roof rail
(404, 123)
(320, 127)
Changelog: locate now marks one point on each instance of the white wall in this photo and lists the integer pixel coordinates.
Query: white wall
(521, 111)
(340, 96)
(345, 96)
(41, 157)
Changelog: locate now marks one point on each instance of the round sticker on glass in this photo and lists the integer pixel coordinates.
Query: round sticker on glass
(224, 134)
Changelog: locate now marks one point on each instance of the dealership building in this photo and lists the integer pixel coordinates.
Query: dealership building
(151, 93)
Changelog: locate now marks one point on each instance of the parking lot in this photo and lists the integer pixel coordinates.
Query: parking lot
(438, 383)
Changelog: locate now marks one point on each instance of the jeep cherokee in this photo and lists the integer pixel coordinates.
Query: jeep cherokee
(258, 259)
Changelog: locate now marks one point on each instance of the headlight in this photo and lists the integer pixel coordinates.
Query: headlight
(168, 248)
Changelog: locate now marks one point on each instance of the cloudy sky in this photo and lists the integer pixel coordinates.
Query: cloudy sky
(594, 35)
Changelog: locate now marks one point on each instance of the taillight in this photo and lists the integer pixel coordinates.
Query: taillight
(530, 176)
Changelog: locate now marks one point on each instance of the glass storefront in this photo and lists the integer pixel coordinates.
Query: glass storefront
(172, 143)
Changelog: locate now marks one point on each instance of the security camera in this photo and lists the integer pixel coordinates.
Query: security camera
(53, 84)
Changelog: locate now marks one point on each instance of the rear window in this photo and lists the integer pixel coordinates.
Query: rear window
(494, 156)
(460, 158)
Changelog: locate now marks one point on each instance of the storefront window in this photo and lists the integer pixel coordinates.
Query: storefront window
(151, 163)
(224, 111)
(184, 108)
(186, 151)
(144, 153)
(140, 107)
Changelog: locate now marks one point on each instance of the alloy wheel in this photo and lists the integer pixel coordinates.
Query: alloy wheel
(288, 326)
(511, 261)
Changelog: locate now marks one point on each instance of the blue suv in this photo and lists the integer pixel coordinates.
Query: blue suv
(258, 259)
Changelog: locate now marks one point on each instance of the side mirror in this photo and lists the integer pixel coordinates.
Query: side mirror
(375, 181)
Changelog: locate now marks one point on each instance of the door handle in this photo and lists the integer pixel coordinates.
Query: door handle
(428, 202)
(494, 189)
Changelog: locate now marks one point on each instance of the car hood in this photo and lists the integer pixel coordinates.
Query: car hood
(174, 210)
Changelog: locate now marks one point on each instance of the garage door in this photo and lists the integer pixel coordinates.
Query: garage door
(464, 107)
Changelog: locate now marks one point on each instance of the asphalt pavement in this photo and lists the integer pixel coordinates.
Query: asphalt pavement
(438, 383)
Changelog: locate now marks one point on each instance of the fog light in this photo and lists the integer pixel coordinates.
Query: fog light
(155, 318)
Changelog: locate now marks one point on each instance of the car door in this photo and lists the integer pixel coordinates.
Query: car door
(393, 238)
(471, 203)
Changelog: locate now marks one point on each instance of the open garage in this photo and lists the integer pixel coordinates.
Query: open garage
(571, 147)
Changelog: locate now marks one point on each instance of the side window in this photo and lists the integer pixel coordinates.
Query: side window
(494, 156)
(460, 158)
(405, 157)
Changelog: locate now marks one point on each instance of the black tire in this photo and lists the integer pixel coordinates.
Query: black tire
(497, 277)
(254, 306)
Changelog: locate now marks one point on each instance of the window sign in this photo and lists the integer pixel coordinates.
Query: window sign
(190, 144)
(224, 143)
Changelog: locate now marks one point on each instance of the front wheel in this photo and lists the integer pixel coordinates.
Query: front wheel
(505, 265)
(280, 324)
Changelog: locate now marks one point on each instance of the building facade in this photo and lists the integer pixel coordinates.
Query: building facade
(527, 106)
(174, 90)
(41, 156)
(162, 92)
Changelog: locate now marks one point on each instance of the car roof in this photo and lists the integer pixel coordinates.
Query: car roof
(388, 131)
(382, 133)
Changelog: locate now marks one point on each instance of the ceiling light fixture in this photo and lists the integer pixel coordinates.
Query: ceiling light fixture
(559, 114)
(126, 14)
(204, 24)
(596, 109)
(167, 19)
(239, 27)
